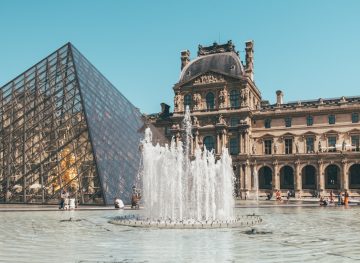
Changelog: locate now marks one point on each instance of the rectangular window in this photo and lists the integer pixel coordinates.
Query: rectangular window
(267, 146)
(287, 122)
(355, 143)
(355, 117)
(332, 119)
(309, 121)
(288, 146)
(267, 123)
(234, 146)
(332, 143)
(234, 121)
(310, 144)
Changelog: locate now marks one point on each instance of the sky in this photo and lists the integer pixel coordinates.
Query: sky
(309, 49)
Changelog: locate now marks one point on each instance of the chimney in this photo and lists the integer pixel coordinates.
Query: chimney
(185, 58)
(279, 97)
(249, 57)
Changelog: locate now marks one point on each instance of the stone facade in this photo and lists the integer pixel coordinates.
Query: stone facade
(309, 147)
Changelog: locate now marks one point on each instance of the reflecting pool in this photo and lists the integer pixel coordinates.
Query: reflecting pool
(287, 234)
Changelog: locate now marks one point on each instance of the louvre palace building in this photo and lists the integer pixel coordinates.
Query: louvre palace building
(309, 147)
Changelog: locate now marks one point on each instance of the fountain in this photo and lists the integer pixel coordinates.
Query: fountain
(184, 191)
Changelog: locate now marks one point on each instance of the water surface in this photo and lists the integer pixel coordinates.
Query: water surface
(287, 234)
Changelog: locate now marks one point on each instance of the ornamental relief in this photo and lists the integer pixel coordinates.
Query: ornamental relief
(209, 78)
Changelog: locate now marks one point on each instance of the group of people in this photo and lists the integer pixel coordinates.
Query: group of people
(135, 200)
(342, 199)
(65, 201)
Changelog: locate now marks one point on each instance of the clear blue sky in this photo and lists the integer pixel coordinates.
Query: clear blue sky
(309, 49)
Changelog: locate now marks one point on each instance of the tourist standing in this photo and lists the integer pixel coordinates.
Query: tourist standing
(346, 198)
(331, 196)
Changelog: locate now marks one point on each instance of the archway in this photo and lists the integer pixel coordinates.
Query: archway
(286, 177)
(332, 177)
(308, 174)
(354, 176)
(265, 178)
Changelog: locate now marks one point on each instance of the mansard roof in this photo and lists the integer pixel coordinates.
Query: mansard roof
(314, 102)
(218, 58)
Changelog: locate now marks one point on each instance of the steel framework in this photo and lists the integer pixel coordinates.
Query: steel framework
(64, 126)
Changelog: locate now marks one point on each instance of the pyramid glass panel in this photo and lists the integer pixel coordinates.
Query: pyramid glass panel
(115, 130)
(63, 126)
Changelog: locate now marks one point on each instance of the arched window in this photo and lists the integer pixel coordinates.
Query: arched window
(210, 101)
(265, 178)
(287, 177)
(332, 173)
(308, 177)
(209, 142)
(234, 98)
(187, 100)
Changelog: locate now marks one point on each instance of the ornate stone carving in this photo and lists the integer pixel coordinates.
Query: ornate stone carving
(297, 147)
(197, 101)
(177, 102)
(254, 147)
(222, 120)
(222, 98)
(195, 121)
(275, 148)
(244, 95)
(209, 78)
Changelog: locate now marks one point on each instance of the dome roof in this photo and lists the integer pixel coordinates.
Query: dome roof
(227, 63)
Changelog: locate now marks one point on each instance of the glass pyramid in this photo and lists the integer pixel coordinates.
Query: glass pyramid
(64, 126)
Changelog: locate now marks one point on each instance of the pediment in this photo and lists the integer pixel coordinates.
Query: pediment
(309, 133)
(352, 131)
(208, 77)
(287, 134)
(331, 132)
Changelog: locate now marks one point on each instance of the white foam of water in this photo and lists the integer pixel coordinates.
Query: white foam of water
(178, 187)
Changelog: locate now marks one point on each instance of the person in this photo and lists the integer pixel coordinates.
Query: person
(278, 195)
(346, 198)
(62, 199)
(331, 196)
(118, 203)
(135, 198)
(288, 194)
(339, 198)
(269, 196)
(323, 201)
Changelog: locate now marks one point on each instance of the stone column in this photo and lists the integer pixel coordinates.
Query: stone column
(240, 142)
(321, 177)
(196, 139)
(247, 177)
(344, 176)
(276, 176)
(298, 181)
(247, 139)
(218, 143)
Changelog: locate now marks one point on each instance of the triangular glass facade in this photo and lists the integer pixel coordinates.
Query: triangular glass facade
(64, 126)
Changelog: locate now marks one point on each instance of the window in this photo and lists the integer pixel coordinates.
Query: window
(332, 119)
(187, 100)
(234, 146)
(288, 146)
(310, 144)
(209, 142)
(332, 143)
(267, 123)
(355, 143)
(267, 146)
(309, 121)
(234, 98)
(287, 122)
(234, 121)
(210, 103)
(355, 117)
